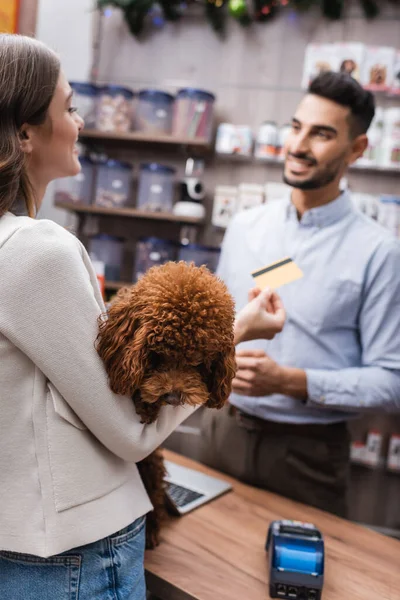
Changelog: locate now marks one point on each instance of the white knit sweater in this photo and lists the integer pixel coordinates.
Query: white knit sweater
(68, 445)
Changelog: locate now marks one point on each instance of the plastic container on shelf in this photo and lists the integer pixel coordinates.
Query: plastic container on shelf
(156, 188)
(151, 252)
(193, 114)
(85, 100)
(267, 141)
(114, 109)
(77, 189)
(113, 186)
(108, 249)
(226, 139)
(283, 135)
(154, 112)
(200, 255)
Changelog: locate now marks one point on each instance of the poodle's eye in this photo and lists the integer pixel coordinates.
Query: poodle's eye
(155, 359)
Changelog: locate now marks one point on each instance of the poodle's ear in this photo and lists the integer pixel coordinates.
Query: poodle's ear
(121, 343)
(222, 372)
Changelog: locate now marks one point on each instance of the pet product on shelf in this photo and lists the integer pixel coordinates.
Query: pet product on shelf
(156, 188)
(77, 189)
(377, 73)
(151, 252)
(372, 155)
(267, 141)
(225, 142)
(109, 250)
(396, 75)
(319, 58)
(234, 139)
(85, 100)
(393, 457)
(250, 195)
(191, 191)
(193, 114)
(169, 340)
(351, 58)
(225, 205)
(113, 187)
(283, 134)
(114, 109)
(373, 448)
(154, 112)
(390, 150)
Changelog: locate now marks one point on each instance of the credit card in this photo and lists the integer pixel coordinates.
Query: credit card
(277, 274)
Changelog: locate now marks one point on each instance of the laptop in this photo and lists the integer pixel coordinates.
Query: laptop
(187, 489)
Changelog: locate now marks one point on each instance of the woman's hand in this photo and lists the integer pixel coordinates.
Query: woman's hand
(262, 318)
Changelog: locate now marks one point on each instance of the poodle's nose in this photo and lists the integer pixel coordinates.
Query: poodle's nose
(173, 398)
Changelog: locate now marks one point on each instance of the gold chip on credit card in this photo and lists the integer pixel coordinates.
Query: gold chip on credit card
(277, 274)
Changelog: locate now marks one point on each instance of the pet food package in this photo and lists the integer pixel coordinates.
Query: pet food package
(250, 195)
(373, 448)
(357, 452)
(390, 146)
(378, 69)
(372, 155)
(393, 457)
(225, 205)
(319, 58)
(395, 89)
(351, 58)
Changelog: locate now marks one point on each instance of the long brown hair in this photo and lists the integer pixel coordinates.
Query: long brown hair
(29, 73)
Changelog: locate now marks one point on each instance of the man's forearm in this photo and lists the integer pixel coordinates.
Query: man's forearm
(293, 383)
(357, 388)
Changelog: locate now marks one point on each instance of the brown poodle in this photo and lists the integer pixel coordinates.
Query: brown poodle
(169, 340)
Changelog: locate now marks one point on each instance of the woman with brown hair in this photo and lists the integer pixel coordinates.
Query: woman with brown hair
(72, 503)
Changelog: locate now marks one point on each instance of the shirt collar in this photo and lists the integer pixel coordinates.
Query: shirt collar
(322, 216)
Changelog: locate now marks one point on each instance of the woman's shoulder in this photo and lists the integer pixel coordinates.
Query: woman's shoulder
(24, 237)
(37, 232)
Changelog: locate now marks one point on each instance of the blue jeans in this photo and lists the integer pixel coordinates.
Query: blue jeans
(110, 569)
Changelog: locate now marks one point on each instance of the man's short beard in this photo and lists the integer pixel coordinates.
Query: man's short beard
(315, 183)
(320, 180)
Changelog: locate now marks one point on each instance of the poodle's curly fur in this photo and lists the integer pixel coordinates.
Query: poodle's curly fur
(168, 339)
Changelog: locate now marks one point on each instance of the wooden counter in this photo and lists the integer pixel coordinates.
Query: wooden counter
(217, 551)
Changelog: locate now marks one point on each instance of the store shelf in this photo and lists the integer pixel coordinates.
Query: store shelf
(128, 212)
(139, 138)
(117, 285)
(381, 466)
(237, 158)
(376, 170)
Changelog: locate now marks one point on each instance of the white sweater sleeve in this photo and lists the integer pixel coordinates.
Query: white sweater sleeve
(49, 310)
